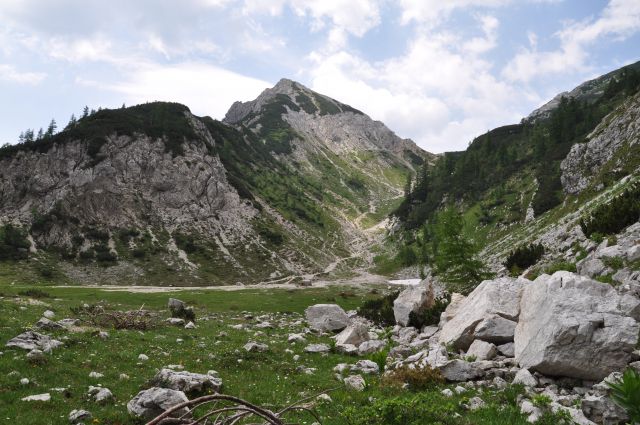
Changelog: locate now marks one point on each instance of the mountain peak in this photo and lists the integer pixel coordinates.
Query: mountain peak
(295, 95)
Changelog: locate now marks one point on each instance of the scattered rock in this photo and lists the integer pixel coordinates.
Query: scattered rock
(460, 371)
(175, 321)
(317, 348)
(48, 314)
(447, 392)
(524, 377)
(482, 350)
(255, 347)
(34, 341)
(356, 333)
(355, 382)
(38, 397)
(187, 382)
(24, 381)
(95, 375)
(77, 416)
(507, 350)
(148, 404)
(36, 356)
(372, 346)
(143, 357)
(476, 403)
(190, 325)
(367, 367)
(100, 395)
(293, 338)
(326, 317)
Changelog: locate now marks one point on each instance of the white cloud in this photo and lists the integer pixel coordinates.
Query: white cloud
(431, 11)
(440, 91)
(205, 89)
(353, 16)
(10, 73)
(620, 19)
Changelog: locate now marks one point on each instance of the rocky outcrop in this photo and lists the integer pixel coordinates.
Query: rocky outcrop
(414, 299)
(187, 382)
(584, 161)
(489, 313)
(573, 326)
(34, 341)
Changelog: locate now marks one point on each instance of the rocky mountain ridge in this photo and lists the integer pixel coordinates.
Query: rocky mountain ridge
(153, 186)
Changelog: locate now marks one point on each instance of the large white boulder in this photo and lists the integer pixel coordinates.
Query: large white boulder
(326, 317)
(414, 299)
(485, 311)
(573, 326)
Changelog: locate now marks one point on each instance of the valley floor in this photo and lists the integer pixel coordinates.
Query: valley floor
(226, 322)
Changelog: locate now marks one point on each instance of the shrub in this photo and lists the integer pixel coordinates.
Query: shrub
(380, 310)
(541, 400)
(34, 293)
(379, 358)
(430, 316)
(524, 256)
(616, 263)
(418, 378)
(626, 394)
(611, 218)
(13, 243)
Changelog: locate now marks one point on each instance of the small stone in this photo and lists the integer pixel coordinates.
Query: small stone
(255, 347)
(143, 357)
(459, 389)
(123, 377)
(190, 325)
(476, 403)
(49, 314)
(317, 348)
(447, 392)
(78, 415)
(96, 375)
(36, 356)
(38, 397)
(24, 381)
(103, 335)
(355, 382)
(524, 377)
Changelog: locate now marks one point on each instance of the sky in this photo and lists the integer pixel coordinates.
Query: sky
(438, 72)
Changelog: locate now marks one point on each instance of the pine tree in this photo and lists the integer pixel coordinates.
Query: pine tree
(454, 256)
(72, 122)
(40, 134)
(85, 112)
(28, 135)
(52, 128)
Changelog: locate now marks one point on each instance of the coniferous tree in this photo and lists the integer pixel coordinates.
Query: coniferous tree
(72, 122)
(40, 135)
(52, 128)
(28, 135)
(85, 112)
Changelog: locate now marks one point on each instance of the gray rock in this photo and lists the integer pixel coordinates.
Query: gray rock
(36, 356)
(190, 325)
(317, 348)
(495, 329)
(591, 267)
(348, 349)
(602, 410)
(452, 309)
(476, 403)
(507, 350)
(49, 314)
(533, 413)
(48, 325)
(460, 371)
(187, 382)
(255, 347)
(492, 298)
(175, 305)
(148, 404)
(372, 346)
(296, 338)
(175, 321)
(356, 333)
(414, 299)
(79, 415)
(34, 341)
(573, 326)
(326, 317)
(482, 350)
(38, 397)
(355, 383)
(100, 395)
(367, 367)
(524, 377)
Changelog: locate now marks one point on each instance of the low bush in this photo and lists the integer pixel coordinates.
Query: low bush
(98, 315)
(14, 244)
(379, 358)
(626, 393)
(380, 310)
(417, 379)
(34, 293)
(524, 257)
(611, 218)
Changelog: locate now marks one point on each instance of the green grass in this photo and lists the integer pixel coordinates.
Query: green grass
(269, 379)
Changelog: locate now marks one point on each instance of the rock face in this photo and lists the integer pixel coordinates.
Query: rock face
(326, 317)
(573, 326)
(412, 300)
(586, 159)
(489, 313)
(187, 382)
(150, 403)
